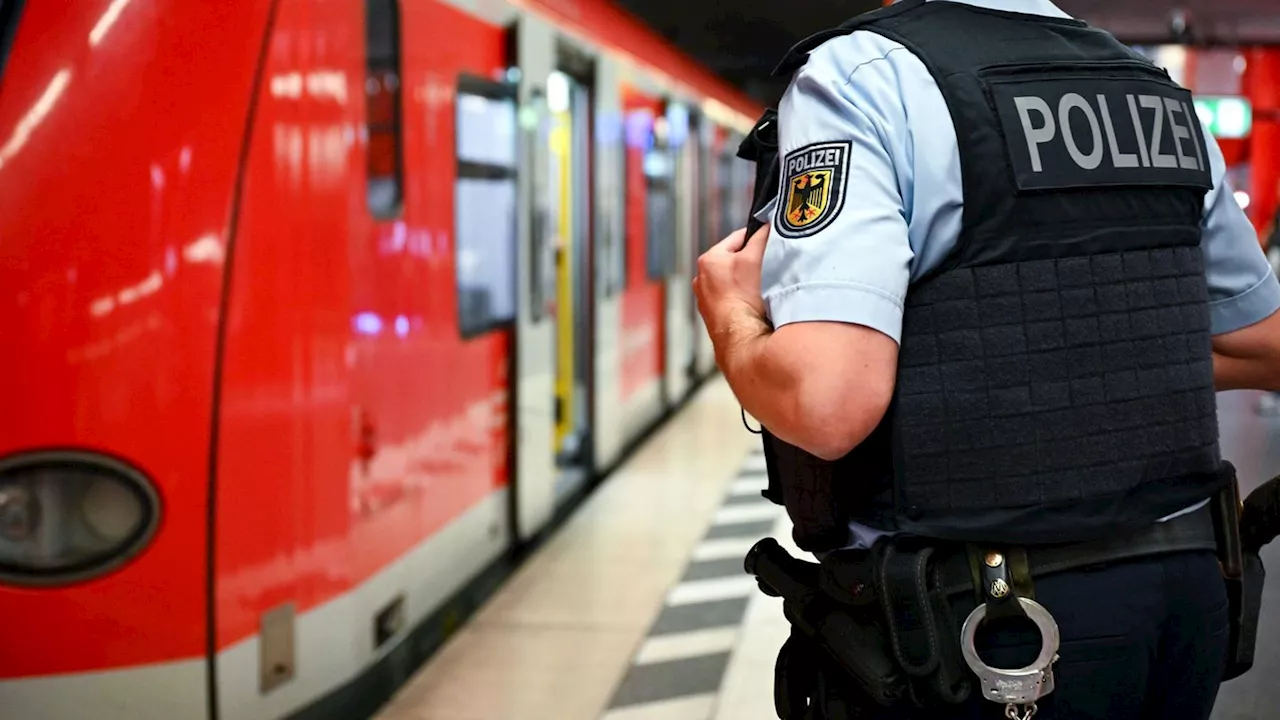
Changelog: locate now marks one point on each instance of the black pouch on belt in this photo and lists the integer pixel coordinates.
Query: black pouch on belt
(922, 628)
(1244, 595)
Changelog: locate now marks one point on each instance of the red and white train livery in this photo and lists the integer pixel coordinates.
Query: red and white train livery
(314, 312)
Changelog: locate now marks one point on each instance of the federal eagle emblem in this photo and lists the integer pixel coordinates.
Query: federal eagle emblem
(814, 188)
(810, 194)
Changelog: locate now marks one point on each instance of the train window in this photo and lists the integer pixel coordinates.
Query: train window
(733, 183)
(616, 240)
(660, 225)
(542, 248)
(709, 196)
(725, 183)
(660, 206)
(382, 104)
(682, 209)
(485, 224)
(10, 10)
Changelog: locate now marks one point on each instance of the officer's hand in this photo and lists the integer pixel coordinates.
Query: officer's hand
(728, 279)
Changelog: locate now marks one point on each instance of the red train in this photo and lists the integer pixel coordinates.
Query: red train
(313, 313)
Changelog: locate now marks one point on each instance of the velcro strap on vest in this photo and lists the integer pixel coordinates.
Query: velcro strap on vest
(773, 490)
(922, 630)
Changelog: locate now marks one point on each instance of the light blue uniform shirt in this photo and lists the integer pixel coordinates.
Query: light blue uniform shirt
(903, 204)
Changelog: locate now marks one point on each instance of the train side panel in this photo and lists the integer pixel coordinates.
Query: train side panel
(362, 395)
(117, 169)
(363, 463)
(285, 445)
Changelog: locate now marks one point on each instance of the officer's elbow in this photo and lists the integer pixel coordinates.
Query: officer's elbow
(840, 380)
(839, 418)
(1249, 358)
(841, 411)
(831, 449)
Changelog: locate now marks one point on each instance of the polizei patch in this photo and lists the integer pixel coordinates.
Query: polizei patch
(1098, 130)
(813, 188)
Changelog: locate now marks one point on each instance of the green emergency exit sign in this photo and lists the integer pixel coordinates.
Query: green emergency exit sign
(1226, 117)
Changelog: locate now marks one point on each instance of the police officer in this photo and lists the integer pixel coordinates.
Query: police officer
(1001, 279)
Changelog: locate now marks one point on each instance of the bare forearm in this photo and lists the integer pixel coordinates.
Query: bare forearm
(1248, 358)
(822, 387)
(1235, 373)
(764, 386)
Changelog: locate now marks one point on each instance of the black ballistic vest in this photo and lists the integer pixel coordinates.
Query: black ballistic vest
(1055, 379)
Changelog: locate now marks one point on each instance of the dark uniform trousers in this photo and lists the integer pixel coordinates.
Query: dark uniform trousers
(1141, 640)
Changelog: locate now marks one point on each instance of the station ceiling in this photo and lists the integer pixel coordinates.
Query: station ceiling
(742, 40)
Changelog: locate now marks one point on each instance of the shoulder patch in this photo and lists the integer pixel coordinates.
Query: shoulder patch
(813, 188)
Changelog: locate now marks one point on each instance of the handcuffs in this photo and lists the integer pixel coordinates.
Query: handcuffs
(1018, 690)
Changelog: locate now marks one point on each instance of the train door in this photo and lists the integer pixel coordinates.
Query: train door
(569, 106)
(680, 205)
(652, 226)
(534, 391)
(633, 196)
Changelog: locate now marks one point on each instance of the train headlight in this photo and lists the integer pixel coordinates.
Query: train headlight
(110, 510)
(70, 517)
(19, 513)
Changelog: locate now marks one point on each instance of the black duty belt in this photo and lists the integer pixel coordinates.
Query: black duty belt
(884, 615)
(1191, 531)
(854, 575)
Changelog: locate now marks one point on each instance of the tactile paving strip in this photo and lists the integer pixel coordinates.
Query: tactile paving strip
(678, 670)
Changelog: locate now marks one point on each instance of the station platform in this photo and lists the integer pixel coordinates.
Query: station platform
(638, 607)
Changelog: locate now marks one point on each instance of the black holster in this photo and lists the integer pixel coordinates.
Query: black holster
(869, 630)
(837, 661)
(1243, 529)
(809, 685)
(1244, 596)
